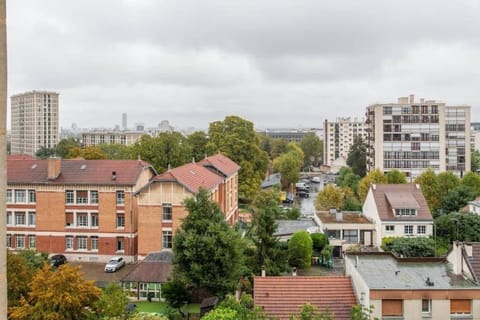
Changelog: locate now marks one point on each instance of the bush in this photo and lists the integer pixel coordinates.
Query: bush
(319, 241)
(300, 250)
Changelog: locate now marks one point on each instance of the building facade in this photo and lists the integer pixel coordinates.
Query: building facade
(412, 136)
(339, 136)
(97, 137)
(34, 121)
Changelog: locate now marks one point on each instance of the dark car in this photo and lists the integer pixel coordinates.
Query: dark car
(58, 260)
(303, 194)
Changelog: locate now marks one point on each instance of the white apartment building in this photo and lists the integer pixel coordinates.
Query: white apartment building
(412, 136)
(339, 136)
(34, 121)
(97, 137)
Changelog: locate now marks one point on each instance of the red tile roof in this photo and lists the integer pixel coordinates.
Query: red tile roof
(96, 172)
(389, 195)
(192, 176)
(281, 297)
(221, 163)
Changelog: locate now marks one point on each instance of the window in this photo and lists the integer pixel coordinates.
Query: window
(82, 243)
(94, 243)
(167, 239)
(405, 212)
(32, 241)
(120, 244)
(9, 218)
(390, 228)
(69, 196)
(392, 308)
(82, 196)
(120, 220)
(408, 229)
(460, 306)
(31, 218)
(20, 218)
(9, 196)
(333, 234)
(20, 196)
(94, 197)
(69, 242)
(120, 198)
(20, 241)
(421, 229)
(351, 236)
(32, 198)
(9, 240)
(167, 211)
(94, 220)
(69, 219)
(82, 220)
(426, 306)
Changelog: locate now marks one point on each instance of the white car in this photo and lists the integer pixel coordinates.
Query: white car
(114, 264)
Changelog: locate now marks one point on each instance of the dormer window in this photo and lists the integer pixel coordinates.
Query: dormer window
(405, 212)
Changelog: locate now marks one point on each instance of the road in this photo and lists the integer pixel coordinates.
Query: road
(307, 207)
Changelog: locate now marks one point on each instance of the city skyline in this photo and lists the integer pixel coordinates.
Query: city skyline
(288, 64)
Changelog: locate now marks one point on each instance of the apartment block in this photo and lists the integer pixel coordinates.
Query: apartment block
(97, 137)
(339, 136)
(412, 136)
(34, 121)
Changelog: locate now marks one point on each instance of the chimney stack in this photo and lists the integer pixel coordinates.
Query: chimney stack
(339, 215)
(54, 168)
(263, 272)
(294, 271)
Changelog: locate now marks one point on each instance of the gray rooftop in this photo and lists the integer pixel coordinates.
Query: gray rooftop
(287, 227)
(386, 272)
(271, 180)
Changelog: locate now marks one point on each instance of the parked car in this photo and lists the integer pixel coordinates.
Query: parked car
(57, 260)
(287, 197)
(316, 179)
(114, 264)
(303, 194)
(302, 186)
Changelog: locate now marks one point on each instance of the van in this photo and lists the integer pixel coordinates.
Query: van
(301, 186)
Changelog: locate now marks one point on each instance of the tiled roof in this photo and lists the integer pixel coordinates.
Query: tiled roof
(150, 271)
(475, 259)
(221, 163)
(96, 172)
(281, 297)
(387, 196)
(192, 176)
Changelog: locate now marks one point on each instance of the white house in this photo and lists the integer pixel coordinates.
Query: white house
(398, 210)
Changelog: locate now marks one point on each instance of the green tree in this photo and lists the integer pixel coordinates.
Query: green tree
(44, 153)
(471, 180)
(475, 161)
(310, 312)
(312, 148)
(430, 188)
(87, 153)
(456, 199)
(176, 293)
(236, 138)
(395, 177)
(330, 197)
(319, 241)
(357, 157)
(411, 246)
(64, 146)
(447, 181)
(197, 145)
(117, 151)
(289, 165)
(244, 308)
(347, 178)
(351, 203)
(278, 147)
(300, 250)
(19, 276)
(458, 226)
(58, 294)
(112, 302)
(267, 198)
(375, 176)
(208, 253)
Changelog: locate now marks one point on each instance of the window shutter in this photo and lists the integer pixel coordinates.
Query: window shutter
(392, 307)
(460, 306)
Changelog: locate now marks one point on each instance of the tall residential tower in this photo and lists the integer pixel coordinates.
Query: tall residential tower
(34, 121)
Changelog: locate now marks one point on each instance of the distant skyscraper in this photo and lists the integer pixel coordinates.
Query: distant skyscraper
(34, 121)
(124, 121)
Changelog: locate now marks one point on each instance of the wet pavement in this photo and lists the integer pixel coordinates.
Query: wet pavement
(95, 271)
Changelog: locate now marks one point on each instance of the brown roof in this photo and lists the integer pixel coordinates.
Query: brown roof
(96, 172)
(221, 163)
(150, 271)
(192, 176)
(281, 297)
(348, 217)
(390, 196)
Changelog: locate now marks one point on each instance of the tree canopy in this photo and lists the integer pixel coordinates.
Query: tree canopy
(300, 248)
(329, 197)
(312, 148)
(357, 157)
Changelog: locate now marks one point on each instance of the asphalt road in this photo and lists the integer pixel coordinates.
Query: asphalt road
(94, 271)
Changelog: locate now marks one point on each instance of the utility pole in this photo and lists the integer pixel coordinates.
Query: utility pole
(3, 158)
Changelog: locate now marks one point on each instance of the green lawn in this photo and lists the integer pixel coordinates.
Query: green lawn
(159, 307)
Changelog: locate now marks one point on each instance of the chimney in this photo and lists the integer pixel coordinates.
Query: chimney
(339, 215)
(54, 168)
(294, 271)
(114, 175)
(263, 272)
(412, 99)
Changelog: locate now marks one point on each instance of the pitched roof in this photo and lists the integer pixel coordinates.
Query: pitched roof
(390, 196)
(96, 172)
(156, 267)
(282, 297)
(221, 163)
(192, 176)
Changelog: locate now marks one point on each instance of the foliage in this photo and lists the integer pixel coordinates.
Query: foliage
(396, 177)
(310, 312)
(447, 181)
(176, 292)
(236, 138)
(87, 153)
(411, 246)
(244, 309)
(267, 198)
(429, 184)
(312, 148)
(300, 250)
(289, 165)
(197, 145)
(329, 197)
(44, 153)
(35, 260)
(458, 226)
(326, 253)
(357, 157)
(319, 241)
(145, 316)
(361, 312)
(19, 277)
(471, 180)
(278, 147)
(456, 199)
(351, 203)
(221, 314)
(347, 178)
(57, 294)
(475, 161)
(375, 176)
(64, 146)
(117, 151)
(208, 253)
(113, 302)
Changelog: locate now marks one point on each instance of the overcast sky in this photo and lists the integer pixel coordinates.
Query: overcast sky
(277, 63)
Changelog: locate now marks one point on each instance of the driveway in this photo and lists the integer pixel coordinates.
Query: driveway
(94, 271)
